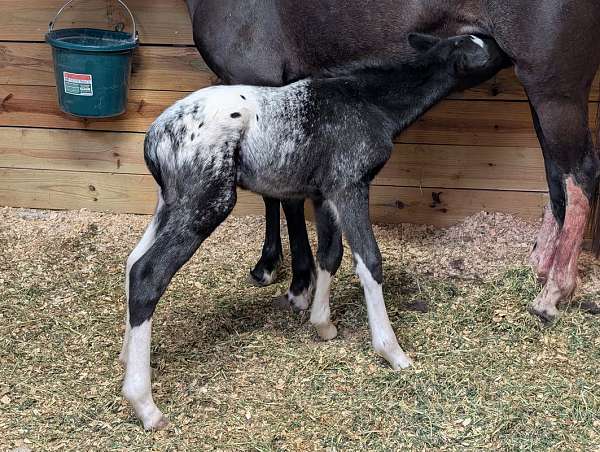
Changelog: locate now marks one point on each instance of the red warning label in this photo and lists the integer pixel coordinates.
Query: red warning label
(78, 84)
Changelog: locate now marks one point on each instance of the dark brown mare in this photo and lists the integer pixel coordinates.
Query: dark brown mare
(555, 48)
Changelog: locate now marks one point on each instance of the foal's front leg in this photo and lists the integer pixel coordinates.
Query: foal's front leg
(303, 265)
(264, 272)
(329, 256)
(353, 212)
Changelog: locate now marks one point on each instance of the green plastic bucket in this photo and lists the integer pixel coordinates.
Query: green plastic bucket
(92, 68)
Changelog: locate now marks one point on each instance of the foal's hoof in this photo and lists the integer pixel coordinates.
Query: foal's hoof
(326, 331)
(400, 362)
(395, 356)
(262, 278)
(299, 302)
(160, 423)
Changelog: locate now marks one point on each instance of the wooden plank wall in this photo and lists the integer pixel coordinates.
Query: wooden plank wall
(475, 151)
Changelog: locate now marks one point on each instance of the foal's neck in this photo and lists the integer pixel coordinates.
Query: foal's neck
(404, 92)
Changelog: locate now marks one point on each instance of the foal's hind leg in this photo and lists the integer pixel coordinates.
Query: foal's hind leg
(179, 230)
(353, 211)
(329, 256)
(572, 168)
(140, 249)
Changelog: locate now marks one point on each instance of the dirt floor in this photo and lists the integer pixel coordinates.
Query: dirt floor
(233, 372)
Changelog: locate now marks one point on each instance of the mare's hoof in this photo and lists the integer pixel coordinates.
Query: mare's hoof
(547, 314)
(590, 307)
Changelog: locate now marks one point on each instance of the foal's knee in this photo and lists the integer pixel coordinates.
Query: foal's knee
(331, 259)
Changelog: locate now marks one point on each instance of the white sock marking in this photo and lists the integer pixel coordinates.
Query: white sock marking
(382, 335)
(300, 301)
(320, 314)
(140, 249)
(137, 387)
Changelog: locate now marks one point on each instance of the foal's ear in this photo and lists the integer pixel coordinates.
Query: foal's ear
(422, 42)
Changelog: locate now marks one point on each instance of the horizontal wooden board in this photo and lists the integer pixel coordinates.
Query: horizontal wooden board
(119, 193)
(506, 86)
(158, 22)
(476, 167)
(419, 206)
(182, 69)
(480, 167)
(37, 106)
(124, 193)
(72, 150)
(154, 67)
(456, 122)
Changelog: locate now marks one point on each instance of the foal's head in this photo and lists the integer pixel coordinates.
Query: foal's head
(469, 56)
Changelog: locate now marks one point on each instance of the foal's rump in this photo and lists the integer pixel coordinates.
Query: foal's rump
(198, 136)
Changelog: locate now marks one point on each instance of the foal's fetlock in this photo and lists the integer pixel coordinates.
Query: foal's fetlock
(296, 302)
(265, 272)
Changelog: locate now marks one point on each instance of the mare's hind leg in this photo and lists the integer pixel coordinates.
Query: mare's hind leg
(353, 212)
(572, 167)
(329, 256)
(176, 232)
(545, 245)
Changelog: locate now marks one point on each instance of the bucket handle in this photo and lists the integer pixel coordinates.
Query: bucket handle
(53, 21)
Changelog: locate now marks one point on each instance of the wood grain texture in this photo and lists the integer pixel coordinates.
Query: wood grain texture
(119, 193)
(477, 167)
(154, 68)
(455, 122)
(72, 150)
(182, 69)
(125, 193)
(420, 206)
(37, 106)
(506, 86)
(159, 22)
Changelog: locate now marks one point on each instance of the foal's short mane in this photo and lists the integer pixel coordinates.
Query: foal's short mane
(372, 66)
